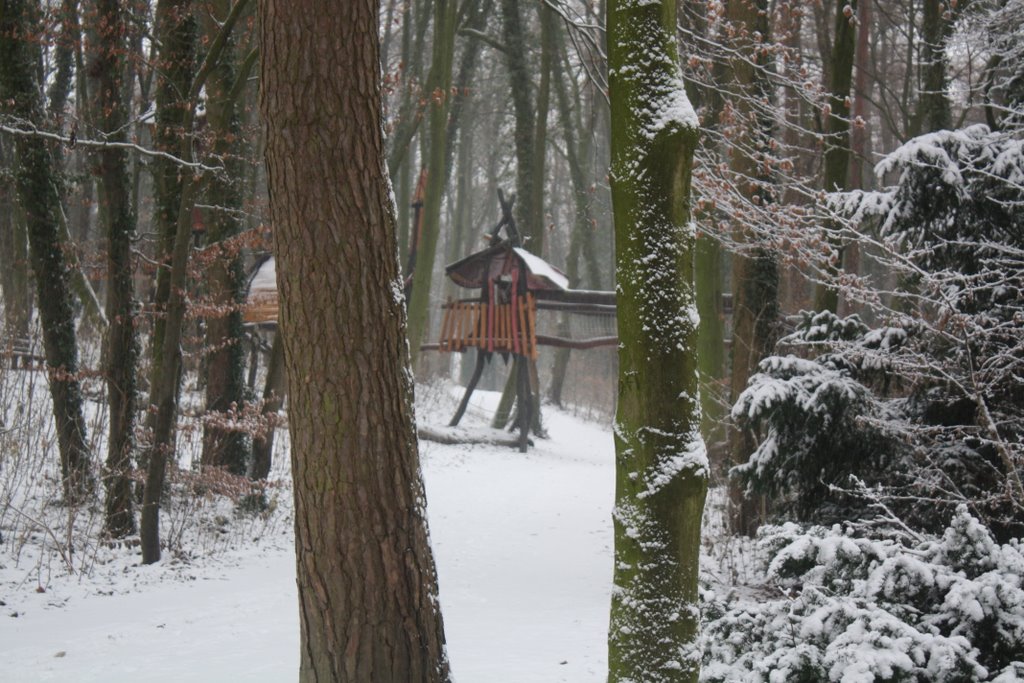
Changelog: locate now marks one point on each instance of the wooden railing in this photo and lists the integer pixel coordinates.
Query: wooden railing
(505, 328)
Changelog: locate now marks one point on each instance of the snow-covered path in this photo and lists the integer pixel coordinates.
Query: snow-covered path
(523, 546)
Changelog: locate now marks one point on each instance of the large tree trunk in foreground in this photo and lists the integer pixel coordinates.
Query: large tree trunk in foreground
(36, 182)
(661, 464)
(366, 577)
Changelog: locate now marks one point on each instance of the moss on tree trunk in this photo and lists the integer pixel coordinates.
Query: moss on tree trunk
(439, 82)
(661, 465)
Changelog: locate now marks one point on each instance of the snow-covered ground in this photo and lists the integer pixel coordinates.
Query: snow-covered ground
(523, 546)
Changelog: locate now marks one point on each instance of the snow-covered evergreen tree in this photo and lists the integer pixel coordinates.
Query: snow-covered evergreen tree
(926, 411)
(853, 606)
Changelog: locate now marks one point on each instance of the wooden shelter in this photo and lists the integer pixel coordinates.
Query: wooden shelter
(261, 297)
(523, 303)
(514, 285)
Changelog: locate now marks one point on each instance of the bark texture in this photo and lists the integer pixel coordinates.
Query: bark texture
(661, 463)
(366, 578)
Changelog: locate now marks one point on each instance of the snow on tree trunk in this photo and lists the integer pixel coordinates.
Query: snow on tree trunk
(661, 463)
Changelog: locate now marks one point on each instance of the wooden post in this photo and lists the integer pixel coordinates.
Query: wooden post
(485, 329)
(490, 320)
(533, 324)
(445, 323)
(524, 398)
(481, 360)
(523, 337)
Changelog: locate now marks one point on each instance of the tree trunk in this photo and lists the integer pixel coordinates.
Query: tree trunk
(164, 394)
(536, 225)
(175, 27)
(108, 69)
(708, 264)
(225, 278)
(709, 259)
(479, 11)
(514, 35)
(274, 391)
(661, 464)
(439, 83)
(176, 32)
(14, 277)
(63, 61)
(366, 578)
(837, 135)
(755, 277)
(859, 161)
(582, 228)
(410, 115)
(933, 110)
(36, 183)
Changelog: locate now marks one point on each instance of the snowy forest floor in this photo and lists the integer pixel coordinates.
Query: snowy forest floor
(523, 546)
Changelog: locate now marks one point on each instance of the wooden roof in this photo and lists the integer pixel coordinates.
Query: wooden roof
(473, 271)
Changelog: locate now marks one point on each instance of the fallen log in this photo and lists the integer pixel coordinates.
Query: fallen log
(454, 438)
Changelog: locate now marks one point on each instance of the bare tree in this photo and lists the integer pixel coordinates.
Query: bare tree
(108, 69)
(36, 182)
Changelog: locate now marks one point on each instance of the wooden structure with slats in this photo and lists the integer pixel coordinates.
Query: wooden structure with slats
(514, 287)
(505, 328)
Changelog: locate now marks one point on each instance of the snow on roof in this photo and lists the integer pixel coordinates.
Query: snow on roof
(265, 278)
(541, 268)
